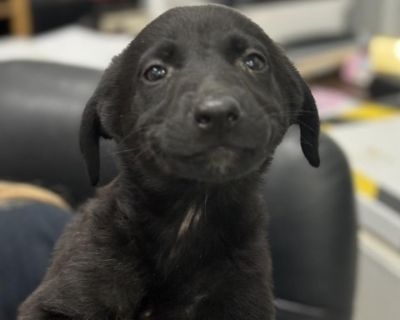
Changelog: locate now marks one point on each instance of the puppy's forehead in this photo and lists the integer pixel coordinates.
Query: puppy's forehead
(200, 24)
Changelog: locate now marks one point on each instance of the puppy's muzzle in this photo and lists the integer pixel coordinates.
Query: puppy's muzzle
(217, 113)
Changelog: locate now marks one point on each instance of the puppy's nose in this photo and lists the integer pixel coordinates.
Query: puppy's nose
(217, 112)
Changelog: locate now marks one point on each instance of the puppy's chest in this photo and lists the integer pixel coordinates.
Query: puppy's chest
(174, 240)
(188, 257)
(201, 235)
(184, 233)
(171, 304)
(174, 289)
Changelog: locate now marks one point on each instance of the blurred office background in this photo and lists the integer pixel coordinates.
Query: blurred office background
(349, 52)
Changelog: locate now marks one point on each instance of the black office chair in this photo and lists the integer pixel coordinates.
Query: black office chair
(312, 227)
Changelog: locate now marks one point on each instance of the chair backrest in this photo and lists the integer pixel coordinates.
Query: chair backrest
(41, 106)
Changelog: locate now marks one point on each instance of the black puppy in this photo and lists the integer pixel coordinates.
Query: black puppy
(196, 104)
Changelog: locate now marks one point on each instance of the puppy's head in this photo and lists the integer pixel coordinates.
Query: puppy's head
(202, 93)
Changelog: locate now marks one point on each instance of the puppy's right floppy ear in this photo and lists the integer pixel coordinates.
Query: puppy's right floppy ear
(89, 136)
(99, 108)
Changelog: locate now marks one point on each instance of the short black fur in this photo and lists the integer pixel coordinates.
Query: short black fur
(181, 232)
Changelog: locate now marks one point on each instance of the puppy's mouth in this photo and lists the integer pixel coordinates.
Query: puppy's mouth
(213, 164)
(219, 159)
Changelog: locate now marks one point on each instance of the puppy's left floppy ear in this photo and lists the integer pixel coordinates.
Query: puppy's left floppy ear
(301, 102)
(308, 121)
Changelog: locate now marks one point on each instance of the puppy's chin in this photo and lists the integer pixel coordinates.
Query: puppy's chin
(217, 165)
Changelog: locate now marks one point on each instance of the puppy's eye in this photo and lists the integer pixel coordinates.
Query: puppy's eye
(254, 62)
(155, 73)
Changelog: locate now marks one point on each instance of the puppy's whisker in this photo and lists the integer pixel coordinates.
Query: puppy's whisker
(290, 112)
(133, 149)
(135, 156)
(132, 133)
(126, 150)
(136, 153)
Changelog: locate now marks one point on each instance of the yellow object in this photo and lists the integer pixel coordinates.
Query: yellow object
(10, 191)
(384, 55)
(370, 111)
(365, 186)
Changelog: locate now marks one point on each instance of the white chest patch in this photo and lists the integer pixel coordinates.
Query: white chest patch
(188, 224)
(190, 220)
